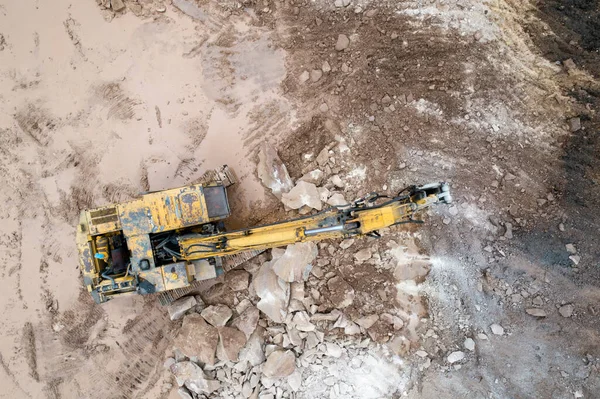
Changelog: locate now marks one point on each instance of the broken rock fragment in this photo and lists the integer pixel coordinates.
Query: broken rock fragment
(566, 310)
(341, 293)
(456, 357)
(295, 264)
(367, 321)
(231, 342)
(191, 375)
(217, 315)
(272, 172)
(280, 364)
(237, 280)
(253, 351)
(247, 321)
(536, 312)
(274, 293)
(342, 43)
(304, 194)
(197, 339)
(337, 199)
(178, 308)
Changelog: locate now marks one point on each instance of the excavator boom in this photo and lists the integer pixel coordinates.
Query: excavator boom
(361, 218)
(167, 242)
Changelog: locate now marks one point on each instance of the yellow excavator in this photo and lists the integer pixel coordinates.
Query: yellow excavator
(168, 241)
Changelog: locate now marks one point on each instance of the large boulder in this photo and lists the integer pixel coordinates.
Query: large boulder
(304, 194)
(237, 280)
(280, 364)
(274, 293)
(246, 322)
(272, 172)
(191, 375)
(217, 315)
(231, 342)
(198, 339)
(295, 264)
(179, 307)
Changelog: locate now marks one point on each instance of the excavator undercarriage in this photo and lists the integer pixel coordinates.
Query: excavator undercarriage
(167, 242)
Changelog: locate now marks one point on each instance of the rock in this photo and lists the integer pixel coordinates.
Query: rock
(302, 322)
(178, 308)
(347, 243)
(455, 357)
(294, 380)
(341, 293)
(253, 351)
(315, 75)
(191, 375)
(508, 233)
(326, 67)
(367, 321)
(324, 107)
(569, 64)
(217, 315)
(400, 345)
(469, 344)
(304, 76)
(169, 362)
(117, 5)
(575, 259)
(566, 310)
(246, 322)
(571, 249)
(315, 177)
(336, 180)
(363, 255)
(333, 350)
(246, 389)
(237, 280)
(303, 194)
(231, 342)
(272, 172)
(323, 194)
(575, 124)
(342, 43)
(184, 393)
(536, 312)
(497, 329)
(337, 199)
(280, 364)
(198, 339)
(296, 263)
(273, 291)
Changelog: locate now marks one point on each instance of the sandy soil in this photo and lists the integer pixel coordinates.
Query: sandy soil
(97, 107)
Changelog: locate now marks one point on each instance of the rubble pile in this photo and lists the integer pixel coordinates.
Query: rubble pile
(280, 332)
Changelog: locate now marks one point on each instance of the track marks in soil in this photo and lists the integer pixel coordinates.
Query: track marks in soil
(71, 27)
(28, 342)
(35, 122)
(119, 104)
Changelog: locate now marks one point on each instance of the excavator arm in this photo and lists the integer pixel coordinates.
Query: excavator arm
(363, 217)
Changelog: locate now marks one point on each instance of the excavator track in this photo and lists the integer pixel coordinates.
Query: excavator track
(229, 263)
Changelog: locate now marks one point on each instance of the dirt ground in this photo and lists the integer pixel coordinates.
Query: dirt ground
(499, 98)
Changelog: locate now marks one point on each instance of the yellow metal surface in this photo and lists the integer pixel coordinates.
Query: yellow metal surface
(367, 220)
